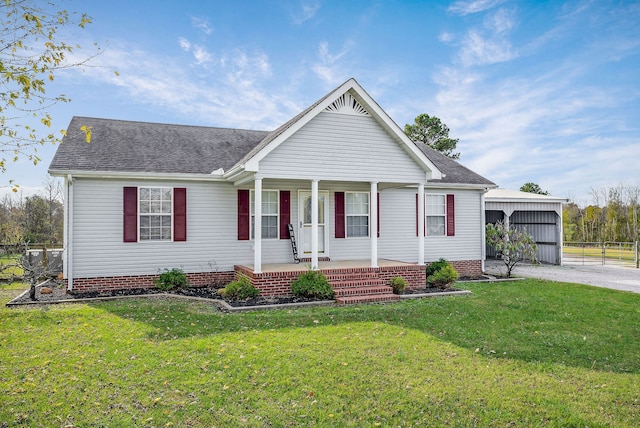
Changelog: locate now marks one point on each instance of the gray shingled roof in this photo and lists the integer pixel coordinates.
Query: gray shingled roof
(454, 171)
(125, 146)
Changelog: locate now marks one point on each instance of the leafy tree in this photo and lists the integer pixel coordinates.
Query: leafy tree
(431, 131)
(512, 245)
(31, 53)
(533, 188)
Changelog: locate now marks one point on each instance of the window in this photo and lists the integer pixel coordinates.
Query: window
(436, 214)
(155, 213)
(357, 214)
(269, 214)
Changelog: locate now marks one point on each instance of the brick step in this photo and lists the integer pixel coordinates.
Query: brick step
(357, 283)
(372, 298)
(351, 276)
(362, 291)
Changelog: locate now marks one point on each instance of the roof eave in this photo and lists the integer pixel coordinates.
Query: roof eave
(135, 175)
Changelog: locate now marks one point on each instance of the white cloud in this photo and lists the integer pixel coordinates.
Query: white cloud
(235, 93)
(469, 7)
(184, 44)
(479, 50)
(328, 68)
(201, 24)
(308, 10)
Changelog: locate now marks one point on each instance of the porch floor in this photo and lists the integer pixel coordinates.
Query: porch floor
(338, 264)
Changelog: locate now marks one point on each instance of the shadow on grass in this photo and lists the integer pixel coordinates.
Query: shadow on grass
(531, 320)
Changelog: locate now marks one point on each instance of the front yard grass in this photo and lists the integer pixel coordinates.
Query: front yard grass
(526, 353)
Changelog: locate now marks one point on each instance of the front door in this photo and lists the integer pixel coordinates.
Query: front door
(304, 214)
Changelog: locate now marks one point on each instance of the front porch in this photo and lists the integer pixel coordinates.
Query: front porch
(354, 281)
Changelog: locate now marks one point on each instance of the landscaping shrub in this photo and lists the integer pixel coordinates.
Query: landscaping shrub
(312, 284)
(398, 284)
(435, 267)
(240, 289)
(170, 279)
(443, 277)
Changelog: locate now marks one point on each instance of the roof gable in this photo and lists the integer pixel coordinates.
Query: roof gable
(348, 98)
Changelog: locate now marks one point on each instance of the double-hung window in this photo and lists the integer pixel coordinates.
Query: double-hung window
(357, 214)
(436, 211)
(155, 213)
(269, 220)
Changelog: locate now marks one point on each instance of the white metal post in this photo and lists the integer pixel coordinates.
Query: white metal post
(257, 227)
(373, 226)
(421, 220)
(314, 225)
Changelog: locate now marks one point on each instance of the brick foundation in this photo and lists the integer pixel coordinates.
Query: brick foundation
(110, 283)
(273, 283)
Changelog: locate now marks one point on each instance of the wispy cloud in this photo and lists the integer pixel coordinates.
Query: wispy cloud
(234, 93)
(307, 11)
(469, 7)
(202, 24)
(328, 67)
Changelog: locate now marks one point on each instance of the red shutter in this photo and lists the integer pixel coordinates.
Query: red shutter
(130, 214)
(244, 216)
(339, 215)
(451, 216)
(285, 213)
(179, 214)
(378, 214)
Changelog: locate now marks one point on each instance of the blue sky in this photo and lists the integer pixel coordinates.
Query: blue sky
(537, 91)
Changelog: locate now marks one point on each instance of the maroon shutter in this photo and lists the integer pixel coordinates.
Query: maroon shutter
(244, 216)
(378, 214)
(179, 214)
(285, 213)
(451, 216)
(339, 215)
(130, 214)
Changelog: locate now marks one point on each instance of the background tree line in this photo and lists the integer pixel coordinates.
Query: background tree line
(613, 217)
(35, 219)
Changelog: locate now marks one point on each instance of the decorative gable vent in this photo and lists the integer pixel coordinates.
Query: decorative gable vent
(347, 104)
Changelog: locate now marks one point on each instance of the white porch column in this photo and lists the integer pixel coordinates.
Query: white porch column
(314, 225)
(421, 220)
(483, 221)
(257, 227)
(373, 227)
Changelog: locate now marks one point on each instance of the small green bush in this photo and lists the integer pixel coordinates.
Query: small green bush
(170, 279)
(312, 284)
(240, 289)
(398, 284)
(444, 277)
(435, 267)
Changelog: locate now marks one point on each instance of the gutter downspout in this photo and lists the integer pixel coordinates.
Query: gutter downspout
(483, 219)
(68, 236)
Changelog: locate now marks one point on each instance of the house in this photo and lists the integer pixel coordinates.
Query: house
(538, 215)
(143, 197)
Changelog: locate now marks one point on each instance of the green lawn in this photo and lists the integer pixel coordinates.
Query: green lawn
(526, 353)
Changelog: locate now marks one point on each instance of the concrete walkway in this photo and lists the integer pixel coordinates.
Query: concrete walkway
(615, 277)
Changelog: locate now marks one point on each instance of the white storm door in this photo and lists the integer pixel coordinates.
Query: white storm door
(304, 214)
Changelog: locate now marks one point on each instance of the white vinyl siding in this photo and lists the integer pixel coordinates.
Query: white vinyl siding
(98, 249)
(342, 147)
(357, 214)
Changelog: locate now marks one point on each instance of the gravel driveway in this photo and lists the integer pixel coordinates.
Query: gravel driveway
(616, 277)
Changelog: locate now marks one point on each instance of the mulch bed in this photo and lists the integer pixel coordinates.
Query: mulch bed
(58, 293)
